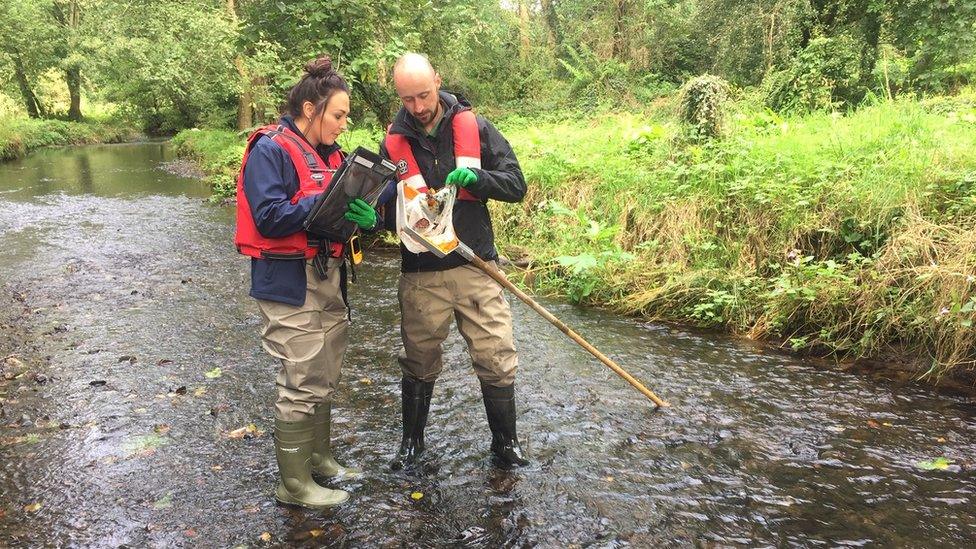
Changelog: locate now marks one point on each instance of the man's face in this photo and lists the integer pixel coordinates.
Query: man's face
(418, 92)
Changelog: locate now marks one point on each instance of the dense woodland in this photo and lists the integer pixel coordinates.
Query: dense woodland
(169, 65)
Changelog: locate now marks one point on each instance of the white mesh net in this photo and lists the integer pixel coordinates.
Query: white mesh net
(430, 215)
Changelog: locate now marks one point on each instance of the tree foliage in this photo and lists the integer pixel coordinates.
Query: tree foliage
(172, 64)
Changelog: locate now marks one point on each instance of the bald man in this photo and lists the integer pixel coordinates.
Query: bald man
(436, 132)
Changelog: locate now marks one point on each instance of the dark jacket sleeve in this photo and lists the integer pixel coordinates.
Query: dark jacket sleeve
(386, 205)
(269, 183)
(500, 176)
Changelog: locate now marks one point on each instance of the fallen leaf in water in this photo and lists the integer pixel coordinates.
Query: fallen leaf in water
(161, 428)
(215, 373)
(199, 392)
(417, 496)
(316, 533)
(144, 445)
(190, 533)
(252, 509)
(608, 479)
(249, 431)
(217, 468)
(366, 381)
(265, 537)
(32, 508)
(886, 424)
(873, 424)
(937, 464)
(940, 439)
(164, 502)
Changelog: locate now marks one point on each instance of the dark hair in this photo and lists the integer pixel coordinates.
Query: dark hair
(318, 85)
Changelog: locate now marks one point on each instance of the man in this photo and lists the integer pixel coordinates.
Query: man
(437, 133)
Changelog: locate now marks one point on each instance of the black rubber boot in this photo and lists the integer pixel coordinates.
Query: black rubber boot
(506, 452)
(415, 398)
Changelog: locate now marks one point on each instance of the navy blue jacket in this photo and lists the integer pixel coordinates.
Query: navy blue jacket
(270, 180)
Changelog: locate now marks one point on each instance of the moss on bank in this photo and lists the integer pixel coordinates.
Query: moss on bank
(835, 234)
(19, 136)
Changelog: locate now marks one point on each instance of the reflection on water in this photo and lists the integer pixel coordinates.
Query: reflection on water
(100, 170)
(139, 295)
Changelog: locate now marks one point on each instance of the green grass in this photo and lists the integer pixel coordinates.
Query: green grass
(19, 136)
(833, 234)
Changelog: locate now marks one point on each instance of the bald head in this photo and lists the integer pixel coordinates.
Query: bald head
(418, 84)
(413, 65)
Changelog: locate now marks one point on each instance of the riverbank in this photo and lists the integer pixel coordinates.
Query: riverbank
(20, 136)
(828, 234)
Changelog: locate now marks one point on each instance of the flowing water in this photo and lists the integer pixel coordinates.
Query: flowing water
(117, 429)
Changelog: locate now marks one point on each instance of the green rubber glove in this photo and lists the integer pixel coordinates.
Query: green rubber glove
(462, 177)
(361, 213)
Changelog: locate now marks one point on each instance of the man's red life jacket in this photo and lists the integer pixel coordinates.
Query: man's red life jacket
(314, 177)
(467, 153)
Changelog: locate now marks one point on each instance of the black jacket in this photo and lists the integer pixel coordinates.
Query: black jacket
(500, 178)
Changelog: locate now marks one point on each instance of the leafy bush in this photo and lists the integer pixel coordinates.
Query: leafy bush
(703, 102)
(822, 77)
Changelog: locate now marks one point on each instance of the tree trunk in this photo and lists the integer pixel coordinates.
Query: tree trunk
(68, 15)
(555, 32)
(245, 101)
(523, 15)
(73, 77)
(620, 13)
(31, 103)
(552, 24)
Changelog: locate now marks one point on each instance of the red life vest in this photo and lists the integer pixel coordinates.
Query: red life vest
(467, 153)
(314, 177)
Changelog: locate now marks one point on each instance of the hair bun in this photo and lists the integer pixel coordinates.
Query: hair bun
(320, 67)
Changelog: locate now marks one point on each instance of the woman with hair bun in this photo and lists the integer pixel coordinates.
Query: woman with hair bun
(305, 314)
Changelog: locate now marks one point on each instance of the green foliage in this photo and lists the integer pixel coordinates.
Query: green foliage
(20, 136)
(218, 152)
(831, 233)
(152, 64)
(824, 76)
(703, 103)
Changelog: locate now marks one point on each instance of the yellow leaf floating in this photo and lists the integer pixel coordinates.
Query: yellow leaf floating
(417, 496)
(316, 533)
(32, 508)
(249, 431)
(265, 537)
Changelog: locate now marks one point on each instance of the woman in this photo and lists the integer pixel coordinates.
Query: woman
(305, 316)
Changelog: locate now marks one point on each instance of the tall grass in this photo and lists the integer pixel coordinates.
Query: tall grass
(842, 234)
(19, 136)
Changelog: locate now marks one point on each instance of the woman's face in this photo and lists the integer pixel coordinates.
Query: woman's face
(331, 122)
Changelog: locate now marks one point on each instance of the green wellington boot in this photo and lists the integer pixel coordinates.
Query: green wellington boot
(293, 448)
(323, 462)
